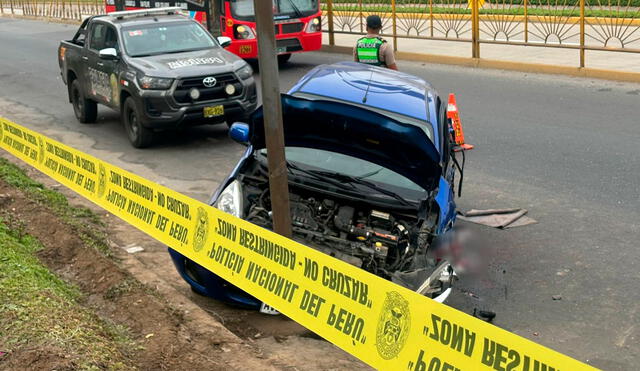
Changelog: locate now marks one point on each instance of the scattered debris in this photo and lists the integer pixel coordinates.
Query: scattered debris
(556, 297)
(535, 334)
(563, 272)
(485, 315)
(132, 248)
(148, 335)
(257, 335)
(469, 293)
(498, 218)
(280, 338)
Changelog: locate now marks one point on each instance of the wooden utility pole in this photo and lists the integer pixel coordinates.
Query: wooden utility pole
(213, 16)
(272, 108)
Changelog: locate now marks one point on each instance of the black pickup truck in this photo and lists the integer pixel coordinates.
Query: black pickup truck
(158, 68)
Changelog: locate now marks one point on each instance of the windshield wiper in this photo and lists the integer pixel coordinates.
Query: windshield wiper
(144, 55)
(186, 50)
(295, 8)
(316, 175)
(358, 180)
(372, 173)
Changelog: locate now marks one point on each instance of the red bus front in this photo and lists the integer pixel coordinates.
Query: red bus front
(297, 26)
(297, 22)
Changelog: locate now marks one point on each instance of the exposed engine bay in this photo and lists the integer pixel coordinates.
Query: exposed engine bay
(389, 244)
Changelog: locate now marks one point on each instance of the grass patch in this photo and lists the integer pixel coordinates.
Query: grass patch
(38, 309)
(84, 221)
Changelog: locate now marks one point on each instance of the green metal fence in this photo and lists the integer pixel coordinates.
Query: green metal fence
(611, 25)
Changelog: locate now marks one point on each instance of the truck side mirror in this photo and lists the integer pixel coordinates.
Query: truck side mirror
(224, 41)
(108, 53)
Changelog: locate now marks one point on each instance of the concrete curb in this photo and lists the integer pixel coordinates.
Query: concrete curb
(506, 65)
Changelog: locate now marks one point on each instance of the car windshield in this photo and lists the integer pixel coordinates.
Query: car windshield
(166, 38)
(298, 8)
(326, 161)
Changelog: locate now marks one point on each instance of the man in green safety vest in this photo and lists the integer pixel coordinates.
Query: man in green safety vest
(373, 49)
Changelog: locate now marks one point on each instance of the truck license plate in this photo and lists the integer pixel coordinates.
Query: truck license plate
(213, 111)
(281, 50)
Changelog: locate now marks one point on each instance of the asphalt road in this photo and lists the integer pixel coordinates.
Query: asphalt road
(563, 148)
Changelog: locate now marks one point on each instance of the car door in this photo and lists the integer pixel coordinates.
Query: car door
(101, 75)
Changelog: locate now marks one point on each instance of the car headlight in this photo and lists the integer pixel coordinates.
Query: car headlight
(154, 83)
(245, 72)
(230, 200)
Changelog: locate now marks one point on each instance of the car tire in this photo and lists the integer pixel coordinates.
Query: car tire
(85, 110)
(139, 136)
(283, 58)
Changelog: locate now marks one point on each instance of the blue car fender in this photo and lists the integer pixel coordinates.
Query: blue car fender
(447, 205)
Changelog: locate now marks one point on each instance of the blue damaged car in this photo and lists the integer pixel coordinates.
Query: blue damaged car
(371, 178)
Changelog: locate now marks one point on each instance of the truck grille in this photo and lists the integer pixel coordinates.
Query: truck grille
(291, 45)
(216, 92)
(292, 27)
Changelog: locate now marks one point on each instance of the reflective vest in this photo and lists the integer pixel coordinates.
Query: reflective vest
(368, 50)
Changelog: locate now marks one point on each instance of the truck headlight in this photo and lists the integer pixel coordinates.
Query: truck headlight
(315, 25)
(154, 83)
(245, 72)
(230, 200)
(242, 32)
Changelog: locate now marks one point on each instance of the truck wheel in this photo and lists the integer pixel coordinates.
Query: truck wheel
(139, 136)
(86, 110)
(283, 58)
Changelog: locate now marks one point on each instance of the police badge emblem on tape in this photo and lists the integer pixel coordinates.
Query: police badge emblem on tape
(201, 229)
(393, 325)
(102, 180)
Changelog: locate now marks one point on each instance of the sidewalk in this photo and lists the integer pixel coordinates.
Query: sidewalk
(550, 56)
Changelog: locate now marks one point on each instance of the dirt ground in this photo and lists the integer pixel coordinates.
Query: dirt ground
(177, 328)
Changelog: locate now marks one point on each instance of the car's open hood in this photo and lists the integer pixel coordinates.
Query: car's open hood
(356, 132)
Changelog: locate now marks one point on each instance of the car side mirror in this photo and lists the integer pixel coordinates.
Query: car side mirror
(108, 53)
(224, 41)
(239, 132)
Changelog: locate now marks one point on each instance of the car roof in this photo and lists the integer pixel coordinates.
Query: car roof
(383, 88)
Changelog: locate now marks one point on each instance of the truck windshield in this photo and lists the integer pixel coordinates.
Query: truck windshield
(165, 38)
(243, 9)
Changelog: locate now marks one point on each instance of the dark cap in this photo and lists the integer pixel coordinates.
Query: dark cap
(374, 22)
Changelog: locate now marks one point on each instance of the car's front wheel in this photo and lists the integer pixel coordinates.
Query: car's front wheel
(139, 136)
(85, 110)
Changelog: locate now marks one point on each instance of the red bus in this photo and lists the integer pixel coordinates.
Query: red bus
(298, 25)
(195, 8)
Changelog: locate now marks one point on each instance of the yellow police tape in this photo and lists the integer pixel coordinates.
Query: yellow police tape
(383, 324)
